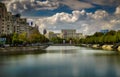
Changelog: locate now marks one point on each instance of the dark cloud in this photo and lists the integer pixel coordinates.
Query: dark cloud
(104, 2)
(21, 6)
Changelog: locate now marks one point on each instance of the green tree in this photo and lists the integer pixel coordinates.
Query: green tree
(15, 39)
(22, 37)
(36, 37)
(56, 40)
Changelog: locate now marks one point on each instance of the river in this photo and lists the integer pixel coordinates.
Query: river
(62, 61)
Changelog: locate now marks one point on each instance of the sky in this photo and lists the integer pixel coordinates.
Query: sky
(86, 16)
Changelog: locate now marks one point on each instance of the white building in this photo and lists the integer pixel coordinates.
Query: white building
(70, 33)
(50, 35)
(65, 34)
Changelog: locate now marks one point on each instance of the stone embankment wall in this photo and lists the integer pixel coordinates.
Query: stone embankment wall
(96, 46)
(107, 47)
(118, 48)
(115, 47)
(30, 48)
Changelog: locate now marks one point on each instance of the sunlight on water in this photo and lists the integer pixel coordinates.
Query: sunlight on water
(93, 51)
(83, 51)
(62, 48)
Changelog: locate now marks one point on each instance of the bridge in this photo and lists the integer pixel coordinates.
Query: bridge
(63, 45)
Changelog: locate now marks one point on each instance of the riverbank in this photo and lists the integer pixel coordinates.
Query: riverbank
(22, 50)
(110, 47)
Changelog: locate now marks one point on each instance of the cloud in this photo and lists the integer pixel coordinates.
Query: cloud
(76, 4)
(117, 10)
(104, 2)
(19, 6)
(82, 21)
(100, 14)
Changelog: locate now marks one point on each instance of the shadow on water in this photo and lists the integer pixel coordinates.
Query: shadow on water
(16, 53)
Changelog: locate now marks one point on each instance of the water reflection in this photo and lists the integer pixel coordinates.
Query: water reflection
(62, 61)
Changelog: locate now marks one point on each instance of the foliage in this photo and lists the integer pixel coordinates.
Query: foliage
(15, 39)
(23, 37)
(36, 37)
(99, 38)
(56, 40)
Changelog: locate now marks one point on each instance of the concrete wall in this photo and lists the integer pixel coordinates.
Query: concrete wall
(20, 49)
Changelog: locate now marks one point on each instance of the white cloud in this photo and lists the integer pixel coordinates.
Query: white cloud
(16, 6)
(100, 14)
(84, 22)
(117, 10)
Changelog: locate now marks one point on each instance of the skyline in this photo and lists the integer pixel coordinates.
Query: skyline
(87, 16)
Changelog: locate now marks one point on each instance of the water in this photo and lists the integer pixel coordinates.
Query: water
(62, 61)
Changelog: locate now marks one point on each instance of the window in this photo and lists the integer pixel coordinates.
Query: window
(2, 19)
(8, 28)
(8, 25)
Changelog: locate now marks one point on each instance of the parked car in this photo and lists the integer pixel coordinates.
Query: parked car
(6, 45)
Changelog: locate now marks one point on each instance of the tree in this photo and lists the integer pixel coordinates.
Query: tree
(100, 38)
(15, 39)
(97, 34)
(23, 37)
(36, 37)
(118, 36)
(56, 40)
(112, 32)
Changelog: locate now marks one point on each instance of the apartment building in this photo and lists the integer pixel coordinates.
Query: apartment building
(10, 24)
(3, 14)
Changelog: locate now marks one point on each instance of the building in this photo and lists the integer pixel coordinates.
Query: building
(104, 31)
(3, 14)
(22, 25)
(58, 35)
(65, 34)
(10, 24)
(70, 33)
(79, 35)
(50, 35)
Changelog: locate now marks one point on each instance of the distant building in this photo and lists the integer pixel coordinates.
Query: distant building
(104, 31)
(44, 31)
(50, 35)
(79, 35)
(67, 33)
(58, 35)
(70, 33)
